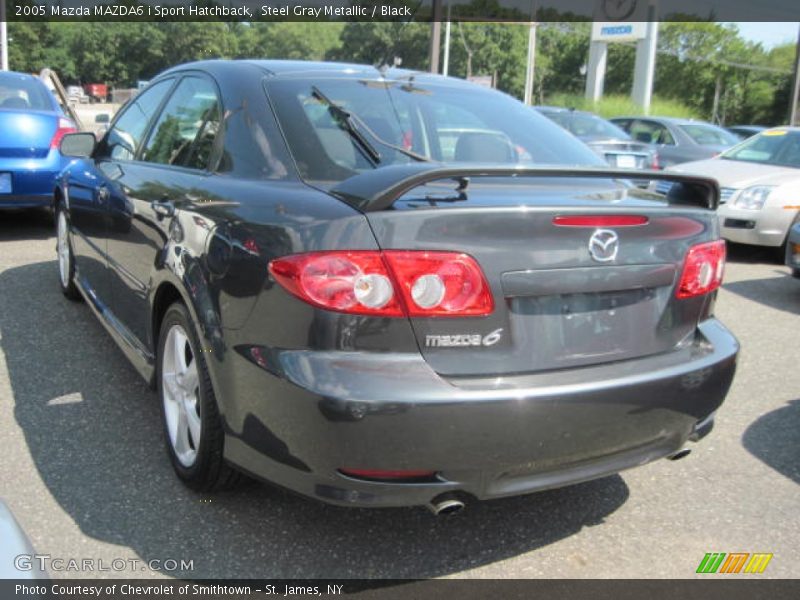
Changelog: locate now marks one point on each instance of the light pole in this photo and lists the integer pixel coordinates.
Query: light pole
(446, 65)
(529, 71)
(3, 37)
(795, 85)
(436, 32)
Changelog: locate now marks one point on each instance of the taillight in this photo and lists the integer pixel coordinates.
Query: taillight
(65, 126)
(353, 282)
(655, 164)
(392, 283)
(702, 269)
(440, 284)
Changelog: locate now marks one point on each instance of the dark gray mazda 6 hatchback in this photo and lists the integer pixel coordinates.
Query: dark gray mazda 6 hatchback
(378, 287)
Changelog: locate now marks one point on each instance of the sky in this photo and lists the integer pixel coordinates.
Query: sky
(769, 34)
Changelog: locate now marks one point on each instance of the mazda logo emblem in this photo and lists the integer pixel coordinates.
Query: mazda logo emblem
(604, 245)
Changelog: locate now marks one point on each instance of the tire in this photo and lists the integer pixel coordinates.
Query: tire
(192, 425)
(66, 259)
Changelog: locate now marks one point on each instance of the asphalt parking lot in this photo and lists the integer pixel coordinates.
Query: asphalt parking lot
(84, 469)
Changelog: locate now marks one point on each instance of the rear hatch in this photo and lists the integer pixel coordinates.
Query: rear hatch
(556, 305)
(26, 133)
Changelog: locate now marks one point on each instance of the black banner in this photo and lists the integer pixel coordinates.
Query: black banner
(403, 10)
(716, 587)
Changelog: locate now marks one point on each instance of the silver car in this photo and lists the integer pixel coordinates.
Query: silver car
(760, 182)
(16, 552)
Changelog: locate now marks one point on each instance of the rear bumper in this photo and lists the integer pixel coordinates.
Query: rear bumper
(32, 180)
(301, 416)
(26, 201)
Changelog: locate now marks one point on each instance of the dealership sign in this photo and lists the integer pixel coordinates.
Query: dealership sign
(618, 31)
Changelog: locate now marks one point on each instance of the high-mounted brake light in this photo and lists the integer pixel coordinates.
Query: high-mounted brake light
(702, 269)
(392, 283)
(600, 220)
(65, 126)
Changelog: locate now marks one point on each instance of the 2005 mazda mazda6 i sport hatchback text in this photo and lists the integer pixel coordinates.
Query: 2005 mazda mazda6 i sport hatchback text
(386, 288)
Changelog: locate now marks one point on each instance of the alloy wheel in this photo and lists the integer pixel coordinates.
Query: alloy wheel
(62, 248)
(180, 391)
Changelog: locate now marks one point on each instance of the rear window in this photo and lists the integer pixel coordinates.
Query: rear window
(442, 123)
(589, 126)
(709, 135)
(23, 92)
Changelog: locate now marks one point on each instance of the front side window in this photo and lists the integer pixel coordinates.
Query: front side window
(440, 122)
(124, 139)
(187, 127)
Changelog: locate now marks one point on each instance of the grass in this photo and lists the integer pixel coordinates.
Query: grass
(618, 106)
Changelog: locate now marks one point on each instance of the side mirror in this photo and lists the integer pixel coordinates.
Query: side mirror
(78, 145)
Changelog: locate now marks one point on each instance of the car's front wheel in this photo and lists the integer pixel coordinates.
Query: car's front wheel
(66, 260)
(192, 424)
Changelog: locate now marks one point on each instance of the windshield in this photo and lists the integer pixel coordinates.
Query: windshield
(441, 123)
(21, 92)
(779, 147)
(709, 135)
(588, 126)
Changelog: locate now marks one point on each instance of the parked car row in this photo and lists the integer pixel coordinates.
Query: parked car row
(610, 142)
(758, 168)
(644, 142)
(760, 187)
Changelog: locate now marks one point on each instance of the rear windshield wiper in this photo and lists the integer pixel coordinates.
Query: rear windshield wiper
(346, 121)
(352, 123)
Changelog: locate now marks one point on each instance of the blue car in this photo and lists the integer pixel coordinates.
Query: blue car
(31, 127)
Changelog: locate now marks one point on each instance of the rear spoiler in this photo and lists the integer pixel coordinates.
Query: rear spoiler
(380, 188)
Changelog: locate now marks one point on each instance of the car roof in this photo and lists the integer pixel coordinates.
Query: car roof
(26, 76)
(300, 69)
(670, 120)
(749, 127)
(561, 109)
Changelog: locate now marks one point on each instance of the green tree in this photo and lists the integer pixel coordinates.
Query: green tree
(291, 40)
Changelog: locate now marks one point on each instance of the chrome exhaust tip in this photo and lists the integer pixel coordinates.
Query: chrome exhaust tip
(445, 505)
(680, 454)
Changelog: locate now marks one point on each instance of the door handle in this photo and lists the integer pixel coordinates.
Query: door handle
(163, 208)
(103, 194)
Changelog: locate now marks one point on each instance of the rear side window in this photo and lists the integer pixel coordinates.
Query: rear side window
(187, 127)
(651, 132)
(709, 135)
(125, 137)
(21, 92)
